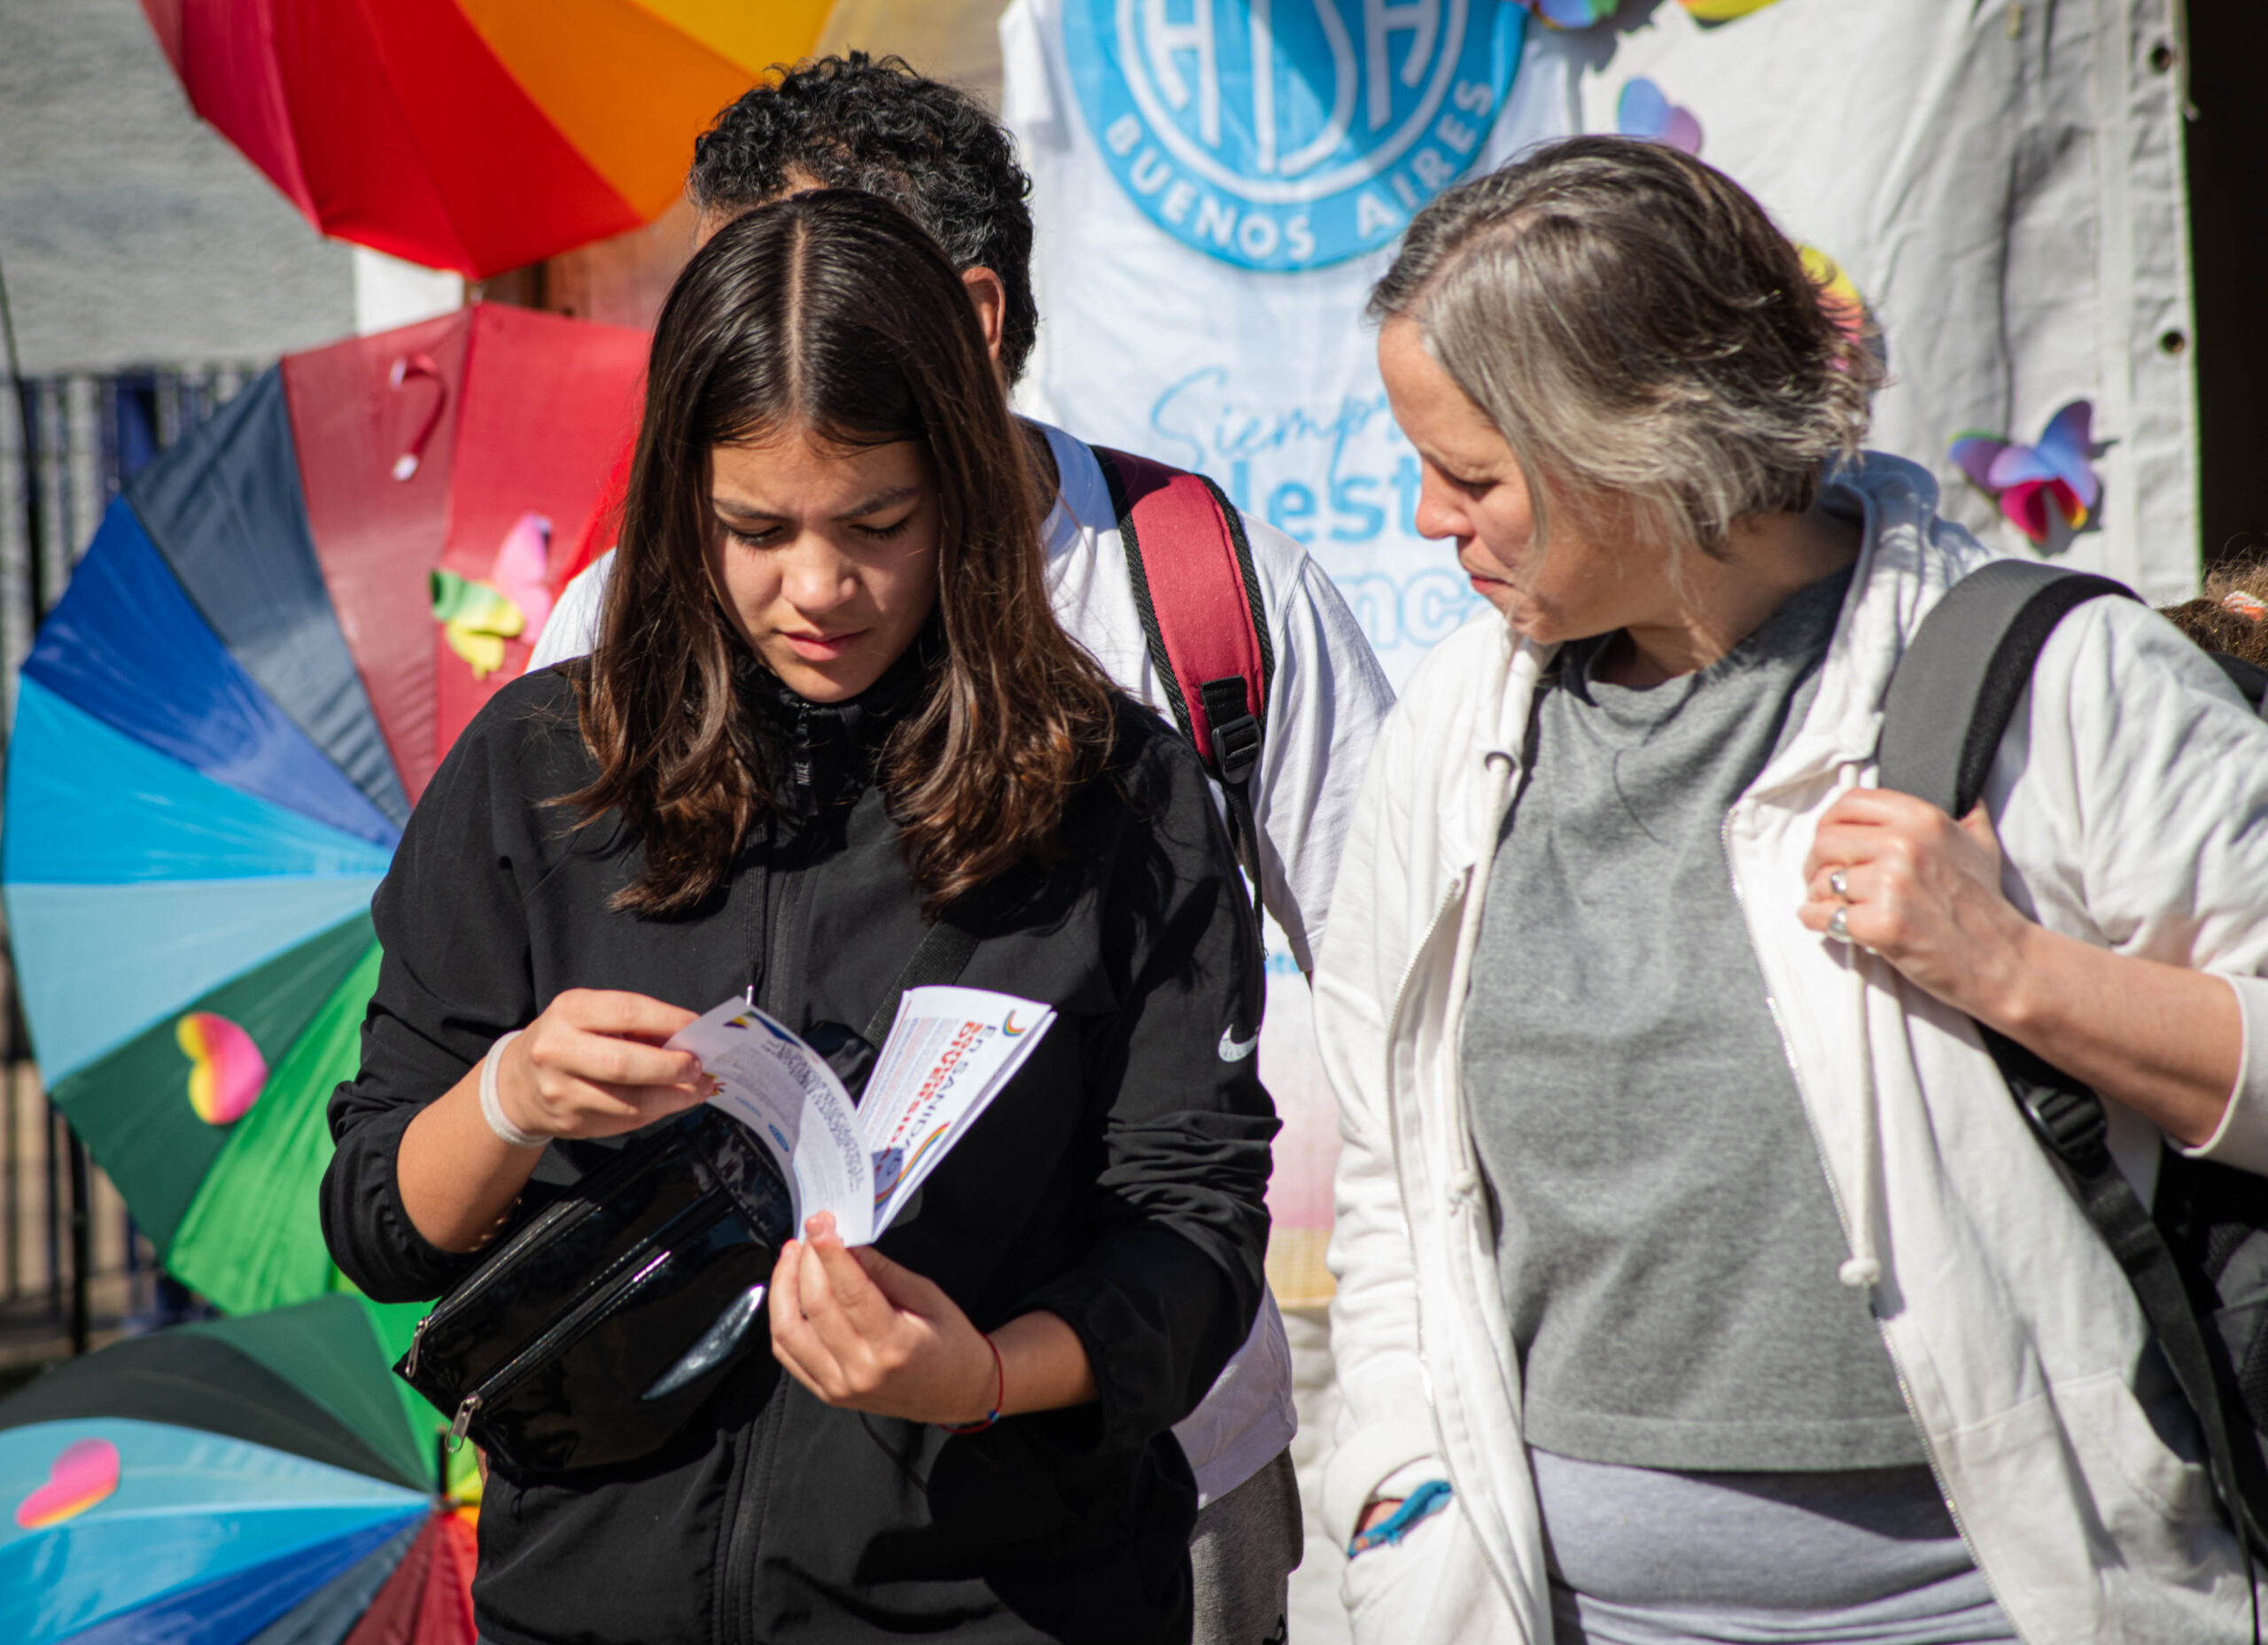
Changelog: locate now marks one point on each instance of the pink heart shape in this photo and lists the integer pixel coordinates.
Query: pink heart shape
(523, 561)
(81, 1476)
(225, 1067)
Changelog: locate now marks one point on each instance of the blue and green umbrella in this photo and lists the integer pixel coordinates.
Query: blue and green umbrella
(273, 637)
(264, 1479)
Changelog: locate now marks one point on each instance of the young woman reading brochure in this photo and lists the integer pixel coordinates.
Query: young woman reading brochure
(828, 701)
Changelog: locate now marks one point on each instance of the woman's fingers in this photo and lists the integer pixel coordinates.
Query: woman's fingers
(1851, 880)
(1870, 917)
(616, 1012)
(593, 1065)
(567, 1106)
(605, 1060)
(1879, 806)
(1864, 823)
(838, 1333)
(848, 1312)
(794, 1343)
(848, 1287)
(1896, 876)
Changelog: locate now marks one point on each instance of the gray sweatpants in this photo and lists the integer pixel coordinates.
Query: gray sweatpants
(1242, 1555)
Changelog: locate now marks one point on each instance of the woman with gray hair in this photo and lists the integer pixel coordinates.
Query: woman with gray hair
(1697, 1278)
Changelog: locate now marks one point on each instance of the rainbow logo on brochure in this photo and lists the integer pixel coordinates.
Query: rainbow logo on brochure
(1283, 134)
(949, 1053)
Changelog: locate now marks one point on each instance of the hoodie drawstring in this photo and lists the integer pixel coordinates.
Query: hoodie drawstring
(1863, 1270)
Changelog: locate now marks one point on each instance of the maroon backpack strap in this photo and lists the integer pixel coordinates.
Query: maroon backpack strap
(1199, 599)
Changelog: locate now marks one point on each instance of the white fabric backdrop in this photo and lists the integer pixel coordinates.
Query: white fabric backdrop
(2001, 179)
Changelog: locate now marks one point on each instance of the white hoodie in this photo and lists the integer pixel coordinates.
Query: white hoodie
(2131, 799)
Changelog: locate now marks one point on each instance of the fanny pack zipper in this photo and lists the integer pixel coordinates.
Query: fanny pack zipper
(594, 1306)
(556, 1218)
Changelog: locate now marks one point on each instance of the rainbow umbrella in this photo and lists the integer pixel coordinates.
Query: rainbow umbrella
(474, 135)
(276, 632)
(259, 1478)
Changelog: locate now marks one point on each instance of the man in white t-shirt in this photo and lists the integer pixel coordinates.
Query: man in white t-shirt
(851, 123)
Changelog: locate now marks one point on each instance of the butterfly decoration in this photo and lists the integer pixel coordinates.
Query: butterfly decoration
(2042, 486)
(1837, 295)
(1644, 110)
(1572, 13)
(512, 602)
(1583, 13)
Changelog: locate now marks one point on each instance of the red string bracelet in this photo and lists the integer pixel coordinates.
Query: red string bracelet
(999, 1395)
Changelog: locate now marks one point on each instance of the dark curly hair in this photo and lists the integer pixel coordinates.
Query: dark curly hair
(2231, 615)
(851, 122)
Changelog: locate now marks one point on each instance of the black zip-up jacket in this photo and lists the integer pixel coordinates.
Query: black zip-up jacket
(1117, 1181)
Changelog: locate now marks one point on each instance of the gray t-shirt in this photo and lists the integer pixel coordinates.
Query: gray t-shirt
(1665, 1239)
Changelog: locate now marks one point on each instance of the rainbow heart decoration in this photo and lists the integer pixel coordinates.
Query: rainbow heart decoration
(82, 1475)
(2057, 472)
(226, 1069)
(513, 601)
(477, 620)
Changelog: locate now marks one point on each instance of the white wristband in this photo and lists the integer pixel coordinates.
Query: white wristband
(492, 1108)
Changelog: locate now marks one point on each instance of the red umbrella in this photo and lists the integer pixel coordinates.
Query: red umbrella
(450, 434)
(474, 135)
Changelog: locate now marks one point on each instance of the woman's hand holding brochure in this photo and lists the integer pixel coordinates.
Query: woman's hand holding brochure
(855, 1329)
(949, 1053)
(867, 1334)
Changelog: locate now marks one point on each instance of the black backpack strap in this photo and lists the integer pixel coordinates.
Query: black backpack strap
(1967, 667)
(2249, 679)
(2068, 1118)
(940, 959)
(1949, 704)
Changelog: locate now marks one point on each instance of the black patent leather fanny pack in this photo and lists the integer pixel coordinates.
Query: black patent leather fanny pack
(594, 1334)
(597, 1332)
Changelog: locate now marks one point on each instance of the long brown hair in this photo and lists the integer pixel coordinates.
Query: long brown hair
(833, 313)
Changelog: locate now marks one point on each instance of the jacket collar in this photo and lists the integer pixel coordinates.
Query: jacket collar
(1908, 557)
(821, 755)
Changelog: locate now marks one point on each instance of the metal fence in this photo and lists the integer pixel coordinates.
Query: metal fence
(69, 1256)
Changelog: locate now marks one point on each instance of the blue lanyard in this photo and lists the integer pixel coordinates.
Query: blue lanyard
(1428, 1498)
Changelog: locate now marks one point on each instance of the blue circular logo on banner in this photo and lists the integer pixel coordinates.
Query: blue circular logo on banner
(1289, 134)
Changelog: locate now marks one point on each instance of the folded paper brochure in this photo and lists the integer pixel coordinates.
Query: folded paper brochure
(949, 1053)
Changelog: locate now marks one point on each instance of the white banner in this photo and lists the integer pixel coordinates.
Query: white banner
(1216, 184)
(1207, 237)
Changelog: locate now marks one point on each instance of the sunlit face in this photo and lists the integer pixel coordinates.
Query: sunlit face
(826, 556)
(1472, 492)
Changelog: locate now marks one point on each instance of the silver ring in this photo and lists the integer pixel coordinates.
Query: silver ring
(1837, 884)
(1836, 928)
